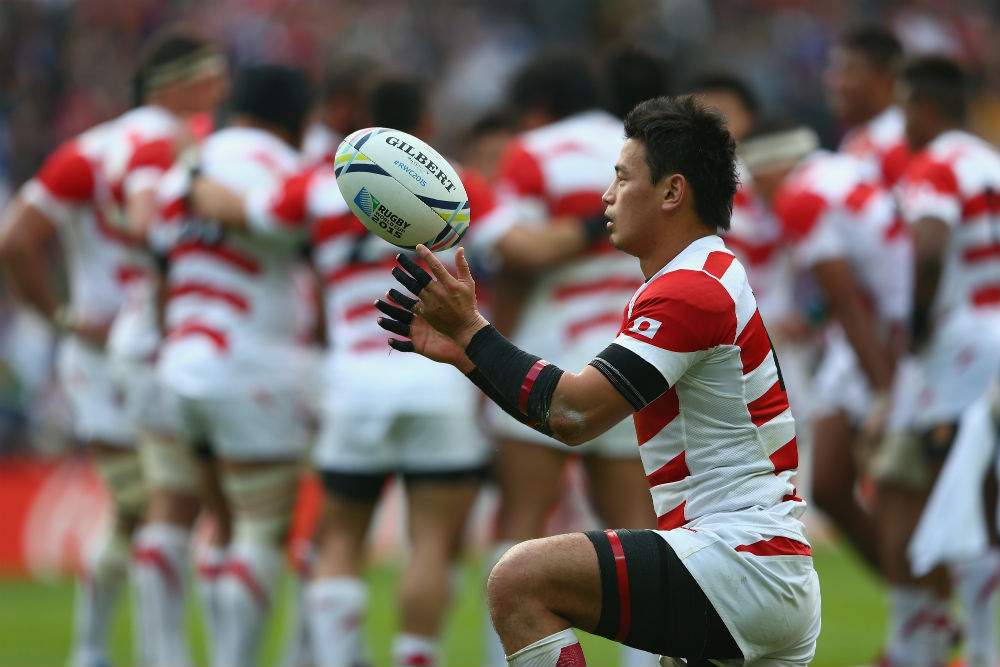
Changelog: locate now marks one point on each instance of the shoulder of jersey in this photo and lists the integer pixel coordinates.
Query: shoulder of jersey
(590, 126)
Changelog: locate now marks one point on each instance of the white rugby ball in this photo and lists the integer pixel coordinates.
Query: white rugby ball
(402, 189)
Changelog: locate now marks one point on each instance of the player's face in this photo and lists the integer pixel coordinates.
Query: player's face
(849, 81)
(633, 201)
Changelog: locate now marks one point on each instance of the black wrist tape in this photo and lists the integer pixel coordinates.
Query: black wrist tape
(522, 384)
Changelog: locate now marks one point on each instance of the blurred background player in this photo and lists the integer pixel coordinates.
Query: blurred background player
(180, 78)
(553, 174)
(947, 197)
(61, 199)
(342, 104)
(860, 82)
(231, 356)
(847, 235)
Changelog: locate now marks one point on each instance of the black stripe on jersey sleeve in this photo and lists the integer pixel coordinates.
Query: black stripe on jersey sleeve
(637, 379)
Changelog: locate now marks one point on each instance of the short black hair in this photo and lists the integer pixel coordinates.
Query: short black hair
(681, 135)
(348, 75)
(164, 48)
(633, 75)
(497, 120)
(727, 82)
(940, 81)
(277, 95)
(561, 82)
(876, 43)
(398, 103)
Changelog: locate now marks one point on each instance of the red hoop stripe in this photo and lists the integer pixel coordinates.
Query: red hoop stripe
(528, 383)
(624, 596)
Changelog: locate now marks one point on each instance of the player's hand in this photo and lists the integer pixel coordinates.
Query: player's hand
(95, 333)
(423, 338)
(446, 302)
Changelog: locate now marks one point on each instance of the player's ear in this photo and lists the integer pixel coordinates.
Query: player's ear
(674, 188)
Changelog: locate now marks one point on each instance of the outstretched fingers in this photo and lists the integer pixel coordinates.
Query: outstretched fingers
(436, 267)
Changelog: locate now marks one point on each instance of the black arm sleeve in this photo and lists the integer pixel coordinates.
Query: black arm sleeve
(634, 377)
(519, 382)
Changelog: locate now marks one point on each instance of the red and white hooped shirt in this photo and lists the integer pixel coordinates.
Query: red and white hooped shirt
(68, 190)
(956, 179)
(880, 145)
(716, 435)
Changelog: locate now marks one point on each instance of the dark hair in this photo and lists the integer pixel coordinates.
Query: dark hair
(164, 48)
(276, 95)
(940, 81)
(348, 75)
(681, 135)
(876, 43)
(634, 75)
(398, 103)
(559, 82)
(726, 82)
(498, 120)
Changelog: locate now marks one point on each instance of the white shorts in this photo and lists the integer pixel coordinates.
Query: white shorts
(618, 442)
(356, 442)
(839, 384)
(149, 403)
(771, 604)
(957, 367)
(251, 423)
(98, 404)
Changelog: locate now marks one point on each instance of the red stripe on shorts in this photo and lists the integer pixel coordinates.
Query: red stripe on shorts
(624, 597)
(528, 383)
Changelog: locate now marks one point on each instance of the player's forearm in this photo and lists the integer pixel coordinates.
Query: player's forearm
(927, 275)
(214, 201)
(26, 278)
(531, 248)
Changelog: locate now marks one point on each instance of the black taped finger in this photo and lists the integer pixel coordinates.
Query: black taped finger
(401, 345)
(422, 277)
(403, 300)
(406, 280)
(394, 326)
(395, 312)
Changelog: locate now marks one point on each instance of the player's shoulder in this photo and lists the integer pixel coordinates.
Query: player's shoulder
(148, 121)
(583, 128)
(241, 144)
(704, 276)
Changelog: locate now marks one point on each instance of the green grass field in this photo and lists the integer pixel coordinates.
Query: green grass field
(35, 620)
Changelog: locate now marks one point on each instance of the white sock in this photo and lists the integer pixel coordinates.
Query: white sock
(336, 612)
(246, 591)
(414, 651)
(210, 563)
(633, 657)
(918, 628)
(96, 594)
(976, 583)
(297, 651)
(559, 650)
(495, 656)
(159, 565)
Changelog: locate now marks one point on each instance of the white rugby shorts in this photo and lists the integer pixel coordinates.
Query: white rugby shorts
(98, 404)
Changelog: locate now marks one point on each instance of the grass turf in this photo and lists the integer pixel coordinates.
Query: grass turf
(35, 620)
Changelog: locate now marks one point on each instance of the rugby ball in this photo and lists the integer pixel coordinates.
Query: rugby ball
(402, 189)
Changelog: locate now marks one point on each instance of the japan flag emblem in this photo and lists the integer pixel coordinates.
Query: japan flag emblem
(645, 326)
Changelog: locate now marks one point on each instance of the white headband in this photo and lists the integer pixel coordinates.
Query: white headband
(188, 68)
(778, 149)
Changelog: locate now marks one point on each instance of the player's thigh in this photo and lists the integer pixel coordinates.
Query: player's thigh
(349, 501)
(255, 424)
(530, 480)
(558, 575)
(620, 492)
(833, 464)
(438, 506)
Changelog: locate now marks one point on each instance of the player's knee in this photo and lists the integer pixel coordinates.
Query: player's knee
(511, 584)
(122, 475)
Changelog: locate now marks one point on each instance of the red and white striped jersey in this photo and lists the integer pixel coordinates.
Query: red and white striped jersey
(232, 298)
(756, 238)
(143, 145)
(355, 266)
(880, 145)
(319, 143)
(716, 435)
(830, 211)
(956, 179)
(68, 190)
(563, 169)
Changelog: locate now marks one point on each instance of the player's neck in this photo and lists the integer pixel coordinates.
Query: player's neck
(671, 246)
